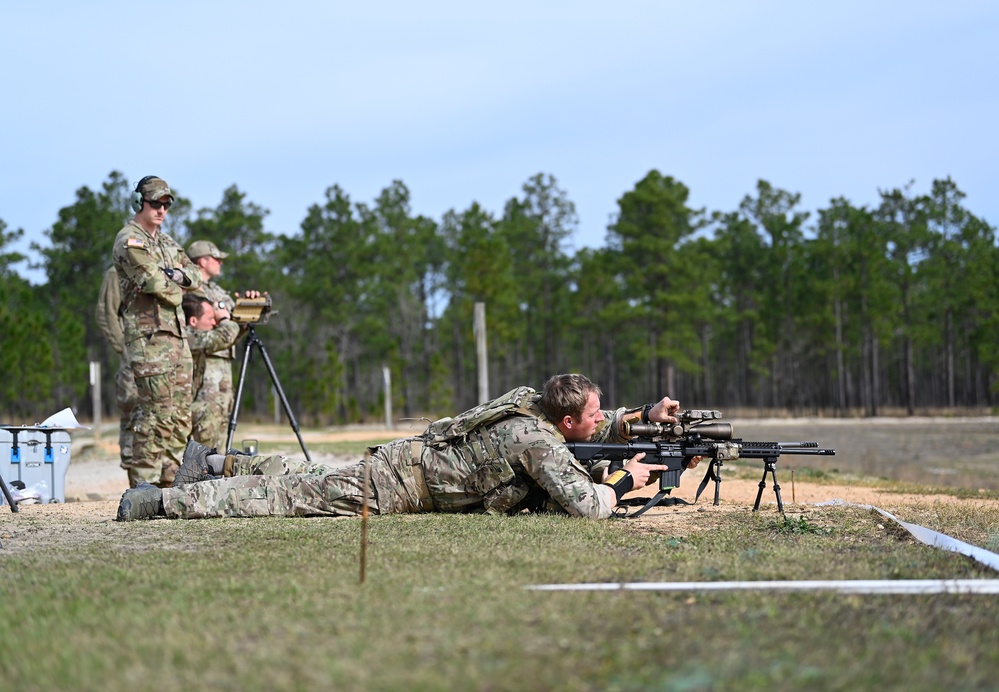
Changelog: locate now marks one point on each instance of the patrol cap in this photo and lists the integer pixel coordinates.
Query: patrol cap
(156, 188)
(205, 248)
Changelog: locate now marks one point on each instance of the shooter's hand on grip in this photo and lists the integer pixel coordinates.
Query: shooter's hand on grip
(642, 472)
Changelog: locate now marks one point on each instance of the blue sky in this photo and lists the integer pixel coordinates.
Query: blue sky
(465, 101)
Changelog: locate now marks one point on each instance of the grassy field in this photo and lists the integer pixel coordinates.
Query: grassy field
(277, 604)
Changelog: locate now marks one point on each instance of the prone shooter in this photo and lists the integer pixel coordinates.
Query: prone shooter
(697, 433)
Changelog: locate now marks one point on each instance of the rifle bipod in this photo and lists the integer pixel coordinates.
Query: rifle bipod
(769, 466)
(714, 474)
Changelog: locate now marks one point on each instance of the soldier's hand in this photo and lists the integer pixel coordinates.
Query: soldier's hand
(663, 411)
(641, 473)
(177, 276)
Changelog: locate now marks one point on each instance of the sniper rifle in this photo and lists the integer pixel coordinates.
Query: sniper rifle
(697, 433)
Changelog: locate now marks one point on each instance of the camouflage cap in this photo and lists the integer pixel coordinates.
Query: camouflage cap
(205, 248)
(156, 188)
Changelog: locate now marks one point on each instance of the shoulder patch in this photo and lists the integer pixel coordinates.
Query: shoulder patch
(134, 242)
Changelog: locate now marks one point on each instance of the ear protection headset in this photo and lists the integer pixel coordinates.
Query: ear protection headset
(136, 198)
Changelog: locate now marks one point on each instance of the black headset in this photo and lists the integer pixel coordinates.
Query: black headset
(137, 198)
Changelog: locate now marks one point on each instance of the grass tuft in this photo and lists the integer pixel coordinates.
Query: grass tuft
(795, 526)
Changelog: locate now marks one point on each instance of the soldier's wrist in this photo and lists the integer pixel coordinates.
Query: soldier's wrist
(645, 413)
(621, 482)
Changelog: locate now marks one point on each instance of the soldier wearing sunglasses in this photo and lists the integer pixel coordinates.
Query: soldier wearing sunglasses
(154, 272)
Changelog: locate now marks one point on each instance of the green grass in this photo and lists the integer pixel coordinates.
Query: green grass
(276, 604)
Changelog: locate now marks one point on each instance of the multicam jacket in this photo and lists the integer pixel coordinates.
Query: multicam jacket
(150, 302)
(518, 463)
(215, 293)
(204, 343)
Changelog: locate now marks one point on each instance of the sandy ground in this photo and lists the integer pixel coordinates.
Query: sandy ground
(913, 448)
(81, 523)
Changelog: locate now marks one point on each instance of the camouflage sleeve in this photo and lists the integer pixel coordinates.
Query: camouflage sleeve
(553, 467)
(188, 267)
(106, 313)
(133, 258)
(215, 293)
(223, 336)
(610, 429)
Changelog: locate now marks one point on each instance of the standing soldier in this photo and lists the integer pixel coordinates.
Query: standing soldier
(214, 398)
(153, 272)
(110, 323)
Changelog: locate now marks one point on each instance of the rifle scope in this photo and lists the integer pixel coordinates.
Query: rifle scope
(708, 431)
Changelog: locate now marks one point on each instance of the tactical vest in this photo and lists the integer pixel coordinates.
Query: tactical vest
(464, 442)
(516, 401)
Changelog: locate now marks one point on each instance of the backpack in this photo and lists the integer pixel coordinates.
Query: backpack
(515, 402)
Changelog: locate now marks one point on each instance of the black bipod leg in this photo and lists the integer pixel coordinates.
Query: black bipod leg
(769, 466)
(717, 464)
(712, 474)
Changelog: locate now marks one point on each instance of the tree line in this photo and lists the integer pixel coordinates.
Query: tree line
(861, 310)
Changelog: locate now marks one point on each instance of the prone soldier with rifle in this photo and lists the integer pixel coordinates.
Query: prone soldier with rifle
(678, 446)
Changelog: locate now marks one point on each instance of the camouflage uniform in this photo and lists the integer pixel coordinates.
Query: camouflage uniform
(157, 350)
(110, 323)
(210, 414)
(518, 463)
(213, 398)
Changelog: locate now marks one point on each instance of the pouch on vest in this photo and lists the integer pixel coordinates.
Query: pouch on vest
(449, 429)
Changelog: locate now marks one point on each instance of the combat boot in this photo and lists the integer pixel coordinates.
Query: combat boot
(144, 501)
(194, 468)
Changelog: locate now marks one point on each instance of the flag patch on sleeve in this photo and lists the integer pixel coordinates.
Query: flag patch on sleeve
(134, 242)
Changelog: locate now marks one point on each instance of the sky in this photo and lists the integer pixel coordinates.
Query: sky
(464, 102)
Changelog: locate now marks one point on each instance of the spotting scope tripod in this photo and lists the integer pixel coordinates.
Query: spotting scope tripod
(253, 341)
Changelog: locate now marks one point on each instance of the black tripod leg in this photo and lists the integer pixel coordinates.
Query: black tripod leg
(6, 494)
(284, 399)
(247, 354)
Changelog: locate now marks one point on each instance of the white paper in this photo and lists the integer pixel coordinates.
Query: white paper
(64, 420)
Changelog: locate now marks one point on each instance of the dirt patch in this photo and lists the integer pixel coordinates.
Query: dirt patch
(76, 525)
(739, 495)
(95, 482)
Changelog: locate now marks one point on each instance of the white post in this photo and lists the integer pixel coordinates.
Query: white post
(95, 396)
(387, 379)
(481, 358)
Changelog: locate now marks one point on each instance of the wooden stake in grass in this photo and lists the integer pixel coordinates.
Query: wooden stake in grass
(364, 517)
(792, 485)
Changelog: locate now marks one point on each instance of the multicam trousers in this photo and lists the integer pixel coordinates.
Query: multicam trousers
(213, 404)
(127, 398)
(163, 370)
(301, 491)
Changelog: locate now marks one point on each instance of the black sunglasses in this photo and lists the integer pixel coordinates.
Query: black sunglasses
(156, 204)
